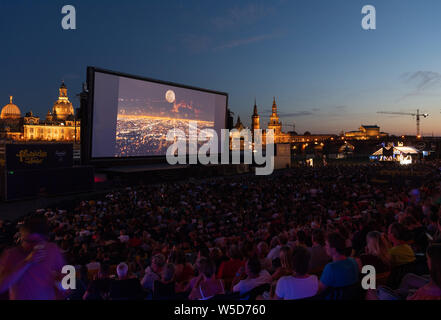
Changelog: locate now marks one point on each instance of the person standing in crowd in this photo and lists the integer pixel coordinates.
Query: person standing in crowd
(32, 270)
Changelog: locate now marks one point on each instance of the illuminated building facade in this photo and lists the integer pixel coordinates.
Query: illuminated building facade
(366, 133)
(60, 124)
(280, 136)
(10, 121)
(274, 123)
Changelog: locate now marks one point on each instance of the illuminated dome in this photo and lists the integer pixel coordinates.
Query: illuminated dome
(10, 111)
(62, 107)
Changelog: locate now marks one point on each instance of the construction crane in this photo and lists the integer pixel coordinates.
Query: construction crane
(418, 116)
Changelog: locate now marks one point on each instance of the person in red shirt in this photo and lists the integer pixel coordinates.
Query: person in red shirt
(228, 269)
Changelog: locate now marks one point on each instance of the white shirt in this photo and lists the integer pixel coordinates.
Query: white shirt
(123, 238)
(290, 288)
(249, 284)
(149, 278)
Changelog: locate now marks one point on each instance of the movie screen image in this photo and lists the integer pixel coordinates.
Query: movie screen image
(131, 117)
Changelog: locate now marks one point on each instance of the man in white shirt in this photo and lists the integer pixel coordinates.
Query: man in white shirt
(256, 276)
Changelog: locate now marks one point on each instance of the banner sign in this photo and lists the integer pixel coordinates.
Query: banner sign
(38, 156)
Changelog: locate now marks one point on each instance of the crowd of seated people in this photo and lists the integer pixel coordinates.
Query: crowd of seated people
(300, 234)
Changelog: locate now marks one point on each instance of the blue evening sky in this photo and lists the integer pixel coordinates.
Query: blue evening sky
(327, 73)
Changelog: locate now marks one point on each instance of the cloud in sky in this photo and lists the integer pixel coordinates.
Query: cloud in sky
(246, 41)
(248, 14)
(422, 81)
(196, 43)
(306, 111)
(267, 112)
(219, 36)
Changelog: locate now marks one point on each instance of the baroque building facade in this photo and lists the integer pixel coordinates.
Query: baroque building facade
(276, 125)
(60, 125)
(280, 137)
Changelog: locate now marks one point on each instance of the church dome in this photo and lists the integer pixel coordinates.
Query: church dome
(62, 107)
(10, 111)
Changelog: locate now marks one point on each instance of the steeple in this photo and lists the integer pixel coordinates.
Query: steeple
(255, 109)
(239, 126)
(63, 91)
(10, 99)
(255, 121)
(274, 108)
(49, 116)
(274, 122)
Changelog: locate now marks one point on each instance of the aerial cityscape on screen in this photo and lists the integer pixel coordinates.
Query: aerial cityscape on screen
(143, 122)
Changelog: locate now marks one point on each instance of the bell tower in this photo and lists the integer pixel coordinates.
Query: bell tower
(255, 119)
(63, 91)
(274, 122)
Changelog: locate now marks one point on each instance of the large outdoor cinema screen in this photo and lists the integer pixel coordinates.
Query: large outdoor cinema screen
(131, 116)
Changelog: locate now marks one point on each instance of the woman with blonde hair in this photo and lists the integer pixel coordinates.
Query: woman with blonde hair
(376, 253)
(285, 267)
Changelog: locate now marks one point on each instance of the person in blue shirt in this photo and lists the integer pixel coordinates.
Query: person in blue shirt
(342, 271)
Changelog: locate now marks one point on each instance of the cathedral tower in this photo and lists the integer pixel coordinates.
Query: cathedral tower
(255, 119)
(274, 122)
(62, 107)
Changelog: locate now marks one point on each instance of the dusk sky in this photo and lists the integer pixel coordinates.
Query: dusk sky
(327, 73)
